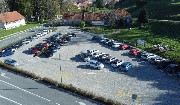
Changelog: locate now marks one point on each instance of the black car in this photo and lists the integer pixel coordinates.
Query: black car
(97, 37)
(48, 53)
(110, 59)
(84, 56)
(172, 68)
(103, 57)
(162, 64)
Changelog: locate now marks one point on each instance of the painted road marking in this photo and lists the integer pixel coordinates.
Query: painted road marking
(81, 103)
(10, 100)
(25, 90)
(3, 75)
(57, 104)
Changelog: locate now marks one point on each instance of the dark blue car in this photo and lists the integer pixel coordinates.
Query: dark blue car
(6, 53)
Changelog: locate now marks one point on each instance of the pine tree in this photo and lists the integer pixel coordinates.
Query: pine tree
(142, 19)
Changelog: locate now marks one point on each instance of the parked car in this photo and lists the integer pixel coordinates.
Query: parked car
(125, 66)
(11, 62)
(53, 49)
(46, 45)
(25, 41)
(97, 37)
(48, 53)
(110, 42)
(139, 54)
(91, 51)
(172, 68)
(156, 59)
(73, 34)
(103, 40)
(134, 51)
(162, 64)
(96, 54)
(39, 34)
(123, 46)
(95, 64)
(116, 44)
(35, 37)
(116, 63)
(103, 57)
(84, 56)
(6, 53)
(148, 56)
(34, 50)
(110, 59)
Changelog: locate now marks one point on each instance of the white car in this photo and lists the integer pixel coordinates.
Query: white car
(39, 34)
(11, 62)
(116, 63)
(116, 45)
(97, 54)
(103, 40)
(90, 52)
(44, 32)
(95, 64)
(25, 41)
(148, 56)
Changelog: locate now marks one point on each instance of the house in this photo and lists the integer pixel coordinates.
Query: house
(126, 15)
(9, 20)
(83, 4)
(89, 17)
(96, 19)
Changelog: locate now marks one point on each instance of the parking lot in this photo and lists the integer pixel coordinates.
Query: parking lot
(143, 84)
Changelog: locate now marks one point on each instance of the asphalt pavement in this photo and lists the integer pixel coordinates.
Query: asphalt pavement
(16, 89)
(19, 36)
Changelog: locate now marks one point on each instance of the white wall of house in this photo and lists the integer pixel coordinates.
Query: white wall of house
(14, 24)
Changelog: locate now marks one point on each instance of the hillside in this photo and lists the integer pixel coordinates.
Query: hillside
(156, 9)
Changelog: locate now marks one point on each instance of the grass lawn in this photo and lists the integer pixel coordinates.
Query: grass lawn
(165, 33)
(163, 10)
(4, 33)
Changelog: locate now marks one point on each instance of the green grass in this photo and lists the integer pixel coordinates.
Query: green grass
(165, 33)
(163, 10)
(4, 33)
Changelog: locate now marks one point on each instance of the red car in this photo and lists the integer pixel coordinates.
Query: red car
(134, 52)
(123, 46)
(34, 50)
(45, 45)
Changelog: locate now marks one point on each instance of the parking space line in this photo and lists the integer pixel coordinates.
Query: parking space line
(10, 100)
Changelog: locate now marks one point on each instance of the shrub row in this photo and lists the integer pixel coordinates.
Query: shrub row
(69, 87)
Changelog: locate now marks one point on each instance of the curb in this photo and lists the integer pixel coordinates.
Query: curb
(17, 33)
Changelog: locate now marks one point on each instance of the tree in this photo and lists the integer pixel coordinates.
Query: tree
(142, 19)
(99, 3)
(141, 3)
(82, 25)
(4, 7)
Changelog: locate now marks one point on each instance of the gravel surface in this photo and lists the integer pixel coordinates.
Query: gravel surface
(143, 84)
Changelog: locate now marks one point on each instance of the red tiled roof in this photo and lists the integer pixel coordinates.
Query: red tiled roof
(72, 16)
(122, 12)
(87, 16)
(10, 16)
(94, 16)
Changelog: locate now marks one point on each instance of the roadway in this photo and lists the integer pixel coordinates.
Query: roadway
(18, 36)
(16, 89)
